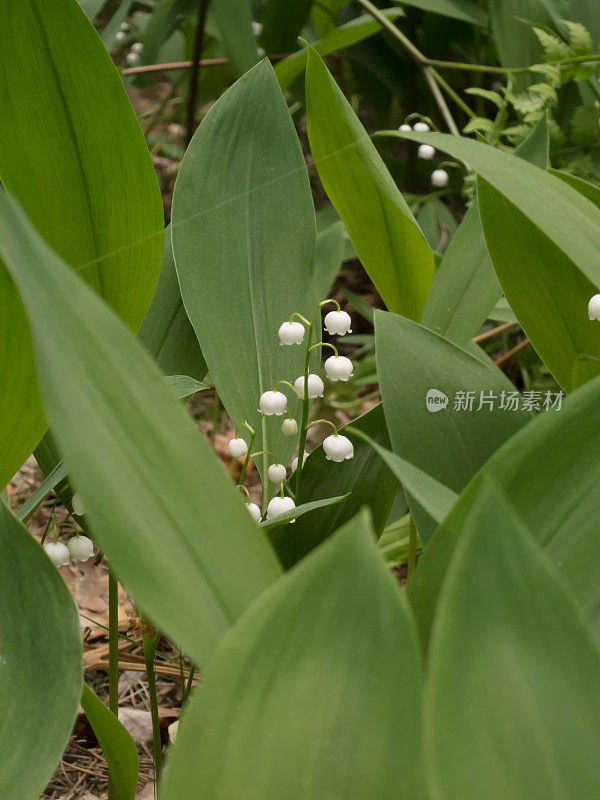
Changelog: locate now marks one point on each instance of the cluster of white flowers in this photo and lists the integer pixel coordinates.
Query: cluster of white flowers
(274, 403)
(133, 56)
(79, 548)
(439, 177)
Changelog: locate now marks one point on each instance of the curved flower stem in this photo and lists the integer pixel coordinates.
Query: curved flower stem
(326, 344)
(291, 386)
(300, 317)
(50, 518)
(264, 453)
(324, 303)
(241, 486)
(324, 422)
(251, 442)
(243, 424)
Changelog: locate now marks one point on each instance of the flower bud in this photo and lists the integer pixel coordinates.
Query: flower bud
(257, 27)
(405, 128)
(58, 553)
(338, 322)
(279, 506)
(81, 548)
(237, 448)
(338, 448)
(421, 127)
(426, 151)
(294, 464)
(289, 427)
(594, 307)
(272, 403)
(254, 511)
(77, 505)
(137, 47)
(132, 58)
(439, 178)
(120, 36)
(277, 473)
(316, 387)
(291, 333)
(338, 368)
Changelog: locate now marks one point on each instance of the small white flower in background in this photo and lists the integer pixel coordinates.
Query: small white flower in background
(172, 730)
(338, 368)
(132, 58)
(594, 307)
(58, 553)
(337, 322)
(137, 47)
(421, 127)
(277, 473)
(291, 333)
(279, 506)
(237, 448)
(426, 152)
(316, 387)
(405, 128)
(120, 36)
(289, 427)
(77, 505)
(256, 27)
(439, 178)
(272, 403)
(254, 511)
(261, 52)
(294, 464)
(338, 448)
(124, 26)
(81, 548)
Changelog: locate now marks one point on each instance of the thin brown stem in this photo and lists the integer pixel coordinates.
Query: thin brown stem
(494, 332)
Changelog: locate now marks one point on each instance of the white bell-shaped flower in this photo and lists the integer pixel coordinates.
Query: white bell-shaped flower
(132, 59)
(439, 178)
(337, 322)
(120, 36)
(137, 47)
(594, 307)
(294, 464)
(338, 448)
(77, 505)
(405, 128)
(426, 152)
(277, 473)
(81, 548)
(272, 403)
(254, 511)
(256, 27)
(289, 427)
(421, 127)
(291, 333)
(58, 553)
(279, 506)
(338, 368)
(237, 448)
(316, 387)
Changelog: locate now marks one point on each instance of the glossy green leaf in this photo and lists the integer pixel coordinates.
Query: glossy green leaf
(166, 330)
(118, 747)
(367, 479)
(535, 148)
(515, 40)
(156, 497)
(330, 249)
(550, 471)
(465, 287)
(184, 386)
(386, 237)
(338, 39)
(41, 663)
(283, 21)
(423, 378)
(244, 231)
(435, 498)
(234, 20)
(316, 693)
(463, 10)
(586, 188)
(299, 511)
(546, 254)
(513, 688)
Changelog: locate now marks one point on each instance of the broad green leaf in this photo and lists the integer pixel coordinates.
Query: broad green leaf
(156, 497)
(515, 41)
(550, 470)
(244, 244)
(321, 677)
(234, 20)
(118, 747)
(40, 643)
(435, 498)
(546, 254)
(464, 10)
(73, 153)
(338, 39)
(386, 237)
(585, 369)
(464, 288)
(513, 689)
(324, 14)
(330, 250)
(283, 21)
(162, 23)
(586, 188)
(22, 422)
(442, 405)
(536, 147)
(299, 511)
(367, 479)
(166, 330)
(91, 7)
(184, 386)
(437, 223)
